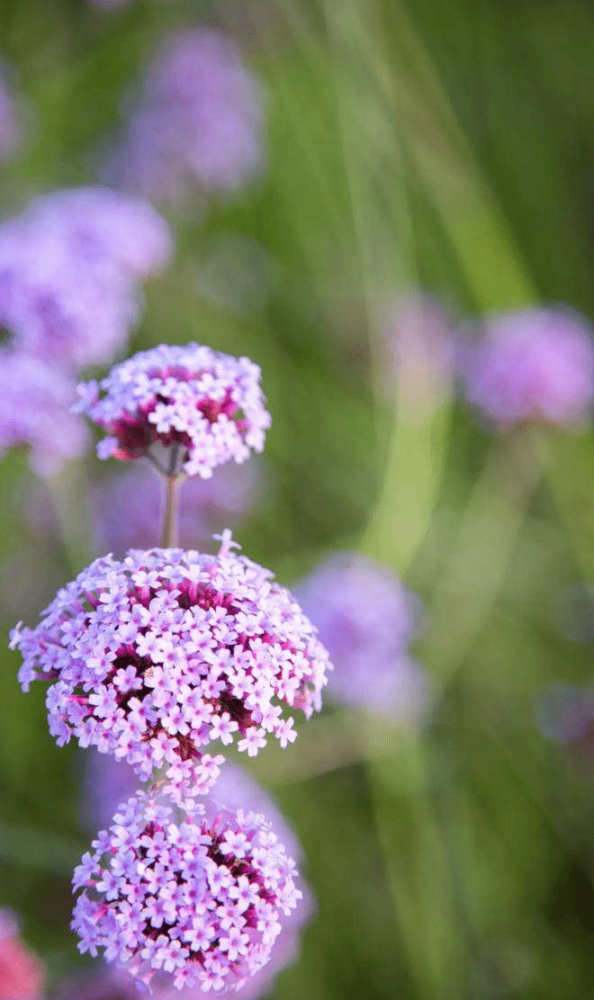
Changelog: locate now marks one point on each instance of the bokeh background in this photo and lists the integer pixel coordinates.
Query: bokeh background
(410, 150)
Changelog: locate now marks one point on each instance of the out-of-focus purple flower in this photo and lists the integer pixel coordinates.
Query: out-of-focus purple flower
(35, 402)
(207, 405)
(532, 365)
(21, 973)
(10, 131)
(366, 618)
(127, 506)
(171, 889)
(417, 339)
(68, 272)
(54, 305)
(98, 224)
(197, 127)
(156, 657)
(565, 713)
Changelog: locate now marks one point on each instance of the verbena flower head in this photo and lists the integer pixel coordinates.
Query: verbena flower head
(207, 405)
(21, 973)
(56, 306)
(108, 782)
(69, 267)
(127, 506)
(98, 223)
(197, 127)
(366, 619)
(170, 889)
(156, 657)
(35, 402)
(532, 365)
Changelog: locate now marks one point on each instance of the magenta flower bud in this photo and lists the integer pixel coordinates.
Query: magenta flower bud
(366, 619)
(171, 890)
(156, 657)
(532, 365)
(35, 402)
(206, 405)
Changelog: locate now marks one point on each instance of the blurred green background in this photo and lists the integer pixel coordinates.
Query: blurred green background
(447, 148)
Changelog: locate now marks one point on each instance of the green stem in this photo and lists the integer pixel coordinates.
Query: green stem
(169, 536)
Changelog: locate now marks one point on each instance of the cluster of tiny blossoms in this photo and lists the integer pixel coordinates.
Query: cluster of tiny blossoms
(197, 127)
(171, 889)
(206, 404)
(160, 655)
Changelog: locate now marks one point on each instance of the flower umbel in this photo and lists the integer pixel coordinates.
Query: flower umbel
(366, 618)
(156, 657)
(532, 365)
(170, 889)
(206, 405)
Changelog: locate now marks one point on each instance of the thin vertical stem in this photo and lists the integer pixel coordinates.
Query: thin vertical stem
(171, 511)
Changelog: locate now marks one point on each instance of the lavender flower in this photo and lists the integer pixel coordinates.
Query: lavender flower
(100, 224)
(57, 307)
(532, 365)
(198, 123)
(68, 272)
(171, 890)
(206, 405)
(10, 132)
(366, 618)
(159, 655)
(127, 506)
(35, 401)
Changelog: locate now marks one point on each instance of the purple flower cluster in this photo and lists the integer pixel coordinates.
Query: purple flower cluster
(197, 127)
(127, 506)
(206, 405)
(366, 618)
(170, 889)
(108, 782)
(35, 401)
(532, 365)
(158, 656)
(69, 273)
